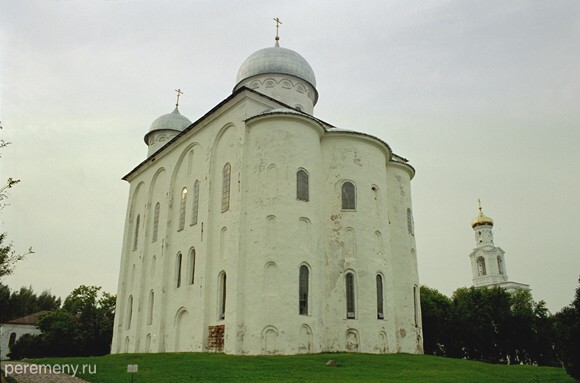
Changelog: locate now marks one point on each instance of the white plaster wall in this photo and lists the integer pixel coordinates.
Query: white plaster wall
(404, 261)
(19, 330)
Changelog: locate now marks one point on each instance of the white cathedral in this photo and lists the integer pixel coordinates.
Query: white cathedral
(261, 229)
(487, 260)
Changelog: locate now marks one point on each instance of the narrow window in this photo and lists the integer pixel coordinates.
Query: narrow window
(129, 311)
(481, 266)
(178, 270)
(222, 297)
(410, 225)
(302, 185)
(12, 339)
(348, 196)
(500, 265)
(151, 305)
(136, 238)
(191, 277)
(182, 209)
(380, 311)
(227, 173)
(303, 290)
(416, 304)
(195, 205)
(350, 305)
(156, 222)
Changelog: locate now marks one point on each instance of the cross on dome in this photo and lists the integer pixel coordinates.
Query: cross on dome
(179, 93)
(278, 23)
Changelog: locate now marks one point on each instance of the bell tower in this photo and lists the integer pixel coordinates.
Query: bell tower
(487, 260)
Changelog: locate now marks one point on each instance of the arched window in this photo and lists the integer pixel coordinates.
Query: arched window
(500, 265)
(191, 276)
(151, 305)
(156, 222)
(302, 185)
(195, 205)
(227, 175)
(348, 196)
(12, 339)
(178, 270)
(129, 311)
(410, 225)
(303, 290)
(136, 237)
(182, 209)
(481, 266)
(380, 300)
(350, 304)
(222, 296)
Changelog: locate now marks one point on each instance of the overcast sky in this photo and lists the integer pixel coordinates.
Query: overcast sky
(483, 98)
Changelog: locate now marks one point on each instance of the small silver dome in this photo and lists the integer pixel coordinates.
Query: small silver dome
(276, 60)
(170, 121)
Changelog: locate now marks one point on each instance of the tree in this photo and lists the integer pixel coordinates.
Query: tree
(568, 336)
(14, 304)
(82, 327)
(436, 319)
(8, 256)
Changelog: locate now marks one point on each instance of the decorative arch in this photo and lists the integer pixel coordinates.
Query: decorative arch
(305, 343)
(270, 278)
(272, 181)
(182, 333)
(148, 343)
(270, 339)
(352, 340)
(349, 243)
(305, 232)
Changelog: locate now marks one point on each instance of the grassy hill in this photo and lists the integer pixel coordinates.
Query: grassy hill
(400, 368)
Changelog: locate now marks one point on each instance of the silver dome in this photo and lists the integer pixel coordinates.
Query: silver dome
(170, 121)
(276, 60)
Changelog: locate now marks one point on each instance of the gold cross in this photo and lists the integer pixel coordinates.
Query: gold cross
(278, 23)
(479, 203)
(179, 93)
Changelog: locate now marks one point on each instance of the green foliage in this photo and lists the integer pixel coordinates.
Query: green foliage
(436, 318)
(568, 335)
(489, 325)
(18, 303)
(83, 326)
(8, 256)
(400, 368)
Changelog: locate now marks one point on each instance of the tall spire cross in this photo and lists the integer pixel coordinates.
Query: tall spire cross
(179, 93)
(479, 203)
(278, 23)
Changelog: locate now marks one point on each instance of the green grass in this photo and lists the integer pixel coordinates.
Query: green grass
(400, 368)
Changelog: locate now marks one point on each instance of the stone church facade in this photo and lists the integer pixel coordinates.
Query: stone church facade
(261, 229)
